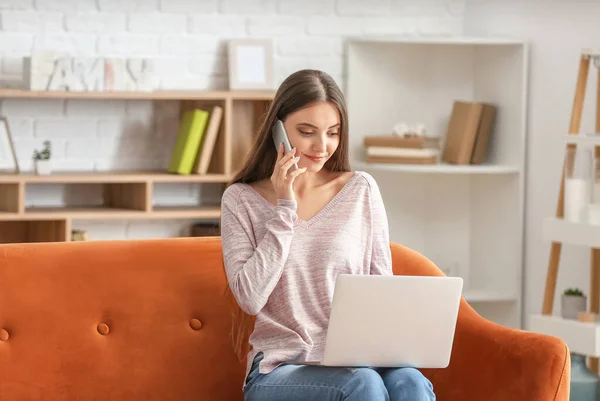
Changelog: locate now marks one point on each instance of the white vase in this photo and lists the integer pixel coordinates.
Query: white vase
(43, 167)
(576, 199)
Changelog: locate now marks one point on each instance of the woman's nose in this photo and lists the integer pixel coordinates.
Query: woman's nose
(320, 144)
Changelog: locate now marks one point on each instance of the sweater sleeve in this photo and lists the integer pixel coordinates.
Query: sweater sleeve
(253, 273)
(381, 255)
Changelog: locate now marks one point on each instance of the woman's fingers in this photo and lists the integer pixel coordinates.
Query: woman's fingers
(296, 173)
(287, 156)
(286, 166)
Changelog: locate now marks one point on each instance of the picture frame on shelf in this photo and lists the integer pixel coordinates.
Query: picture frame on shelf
(251, 64)
(7, 148)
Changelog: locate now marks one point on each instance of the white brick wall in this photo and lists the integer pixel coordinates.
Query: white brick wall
(187, 38)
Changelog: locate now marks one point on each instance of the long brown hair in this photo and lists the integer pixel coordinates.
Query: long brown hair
(299, 90)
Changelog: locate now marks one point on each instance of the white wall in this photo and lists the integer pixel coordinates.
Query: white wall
(187, 38)
(556, 31)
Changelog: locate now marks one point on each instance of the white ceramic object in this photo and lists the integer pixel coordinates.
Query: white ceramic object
(43, 167)
(576, 199)
(571, 305)
(401, 129)
(419, 129)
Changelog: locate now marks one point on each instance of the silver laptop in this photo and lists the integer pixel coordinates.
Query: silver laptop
(392, 321)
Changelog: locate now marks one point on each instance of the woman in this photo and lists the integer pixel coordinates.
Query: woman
(286, 235)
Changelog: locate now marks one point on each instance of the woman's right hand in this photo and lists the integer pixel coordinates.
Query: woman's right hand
(283, 180)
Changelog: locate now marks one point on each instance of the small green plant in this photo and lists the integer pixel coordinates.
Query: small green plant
(43, 154)
(574, 292)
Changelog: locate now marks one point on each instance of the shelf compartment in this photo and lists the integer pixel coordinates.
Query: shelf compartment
(581, 337)
(438, 168)
(560, 230)
(217, 163)
(249, 115)
(128, 196)
(131, 196)
(53, 230)
(186, 200)
(11, 196)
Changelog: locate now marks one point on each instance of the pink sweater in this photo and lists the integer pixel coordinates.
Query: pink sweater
(283, 269)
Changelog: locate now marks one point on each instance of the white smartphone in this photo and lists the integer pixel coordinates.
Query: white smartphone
(279, 137)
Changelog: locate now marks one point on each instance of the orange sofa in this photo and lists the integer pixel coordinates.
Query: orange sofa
(147, 320)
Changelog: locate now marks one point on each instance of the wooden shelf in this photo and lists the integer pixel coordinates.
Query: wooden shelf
(85, 213)
(438, 168)
(107, 213)
(50, 230)
(111, 177)
(581, 337)
(10, 197)
(155, 95)
(186, 212)
(129, 195)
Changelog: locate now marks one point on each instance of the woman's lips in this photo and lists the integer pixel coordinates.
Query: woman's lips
(315, 159)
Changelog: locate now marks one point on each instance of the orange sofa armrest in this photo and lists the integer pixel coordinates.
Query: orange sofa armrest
(492, 362)
(489, 361)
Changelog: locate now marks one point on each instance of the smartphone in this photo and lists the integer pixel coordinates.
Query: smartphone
(279, 137)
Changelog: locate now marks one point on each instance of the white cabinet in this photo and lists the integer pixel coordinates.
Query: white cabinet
(466, 219)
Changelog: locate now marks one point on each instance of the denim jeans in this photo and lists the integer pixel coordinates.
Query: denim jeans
(307, 383)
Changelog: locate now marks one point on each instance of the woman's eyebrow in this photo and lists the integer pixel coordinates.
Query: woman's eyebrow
(315, 127)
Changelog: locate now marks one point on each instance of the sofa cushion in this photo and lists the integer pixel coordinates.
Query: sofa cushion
(116, 320)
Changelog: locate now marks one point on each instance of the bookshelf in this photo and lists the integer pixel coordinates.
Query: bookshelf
(129, 195)
(468, 219)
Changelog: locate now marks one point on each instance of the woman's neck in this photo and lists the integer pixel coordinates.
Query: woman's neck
(308, 182)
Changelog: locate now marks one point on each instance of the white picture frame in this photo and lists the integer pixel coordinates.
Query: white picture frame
(251, 64)
(7, 148)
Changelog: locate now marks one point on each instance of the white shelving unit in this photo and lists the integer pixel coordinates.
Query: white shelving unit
(466, 219)
(560, 230)
(437, 169)
(581, 337)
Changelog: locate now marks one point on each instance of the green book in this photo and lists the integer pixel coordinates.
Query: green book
(188, 142)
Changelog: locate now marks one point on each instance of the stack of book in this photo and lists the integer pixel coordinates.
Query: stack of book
(468, 133)
(402, 150)
(195, 141)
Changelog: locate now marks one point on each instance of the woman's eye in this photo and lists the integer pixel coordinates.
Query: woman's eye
(333, 133)
(305, 133)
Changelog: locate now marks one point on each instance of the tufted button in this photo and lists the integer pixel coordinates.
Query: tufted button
(103, 329)
(195, 324)
(4, 335)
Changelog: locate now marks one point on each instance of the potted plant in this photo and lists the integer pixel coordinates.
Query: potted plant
(42, 159)
(573, 301)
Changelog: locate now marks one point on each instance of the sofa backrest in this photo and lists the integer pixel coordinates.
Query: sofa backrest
(116, 320)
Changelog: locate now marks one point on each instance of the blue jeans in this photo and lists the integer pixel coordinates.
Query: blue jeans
(312, 383)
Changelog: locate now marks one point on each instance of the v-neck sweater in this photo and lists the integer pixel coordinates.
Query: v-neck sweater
(283, 269)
